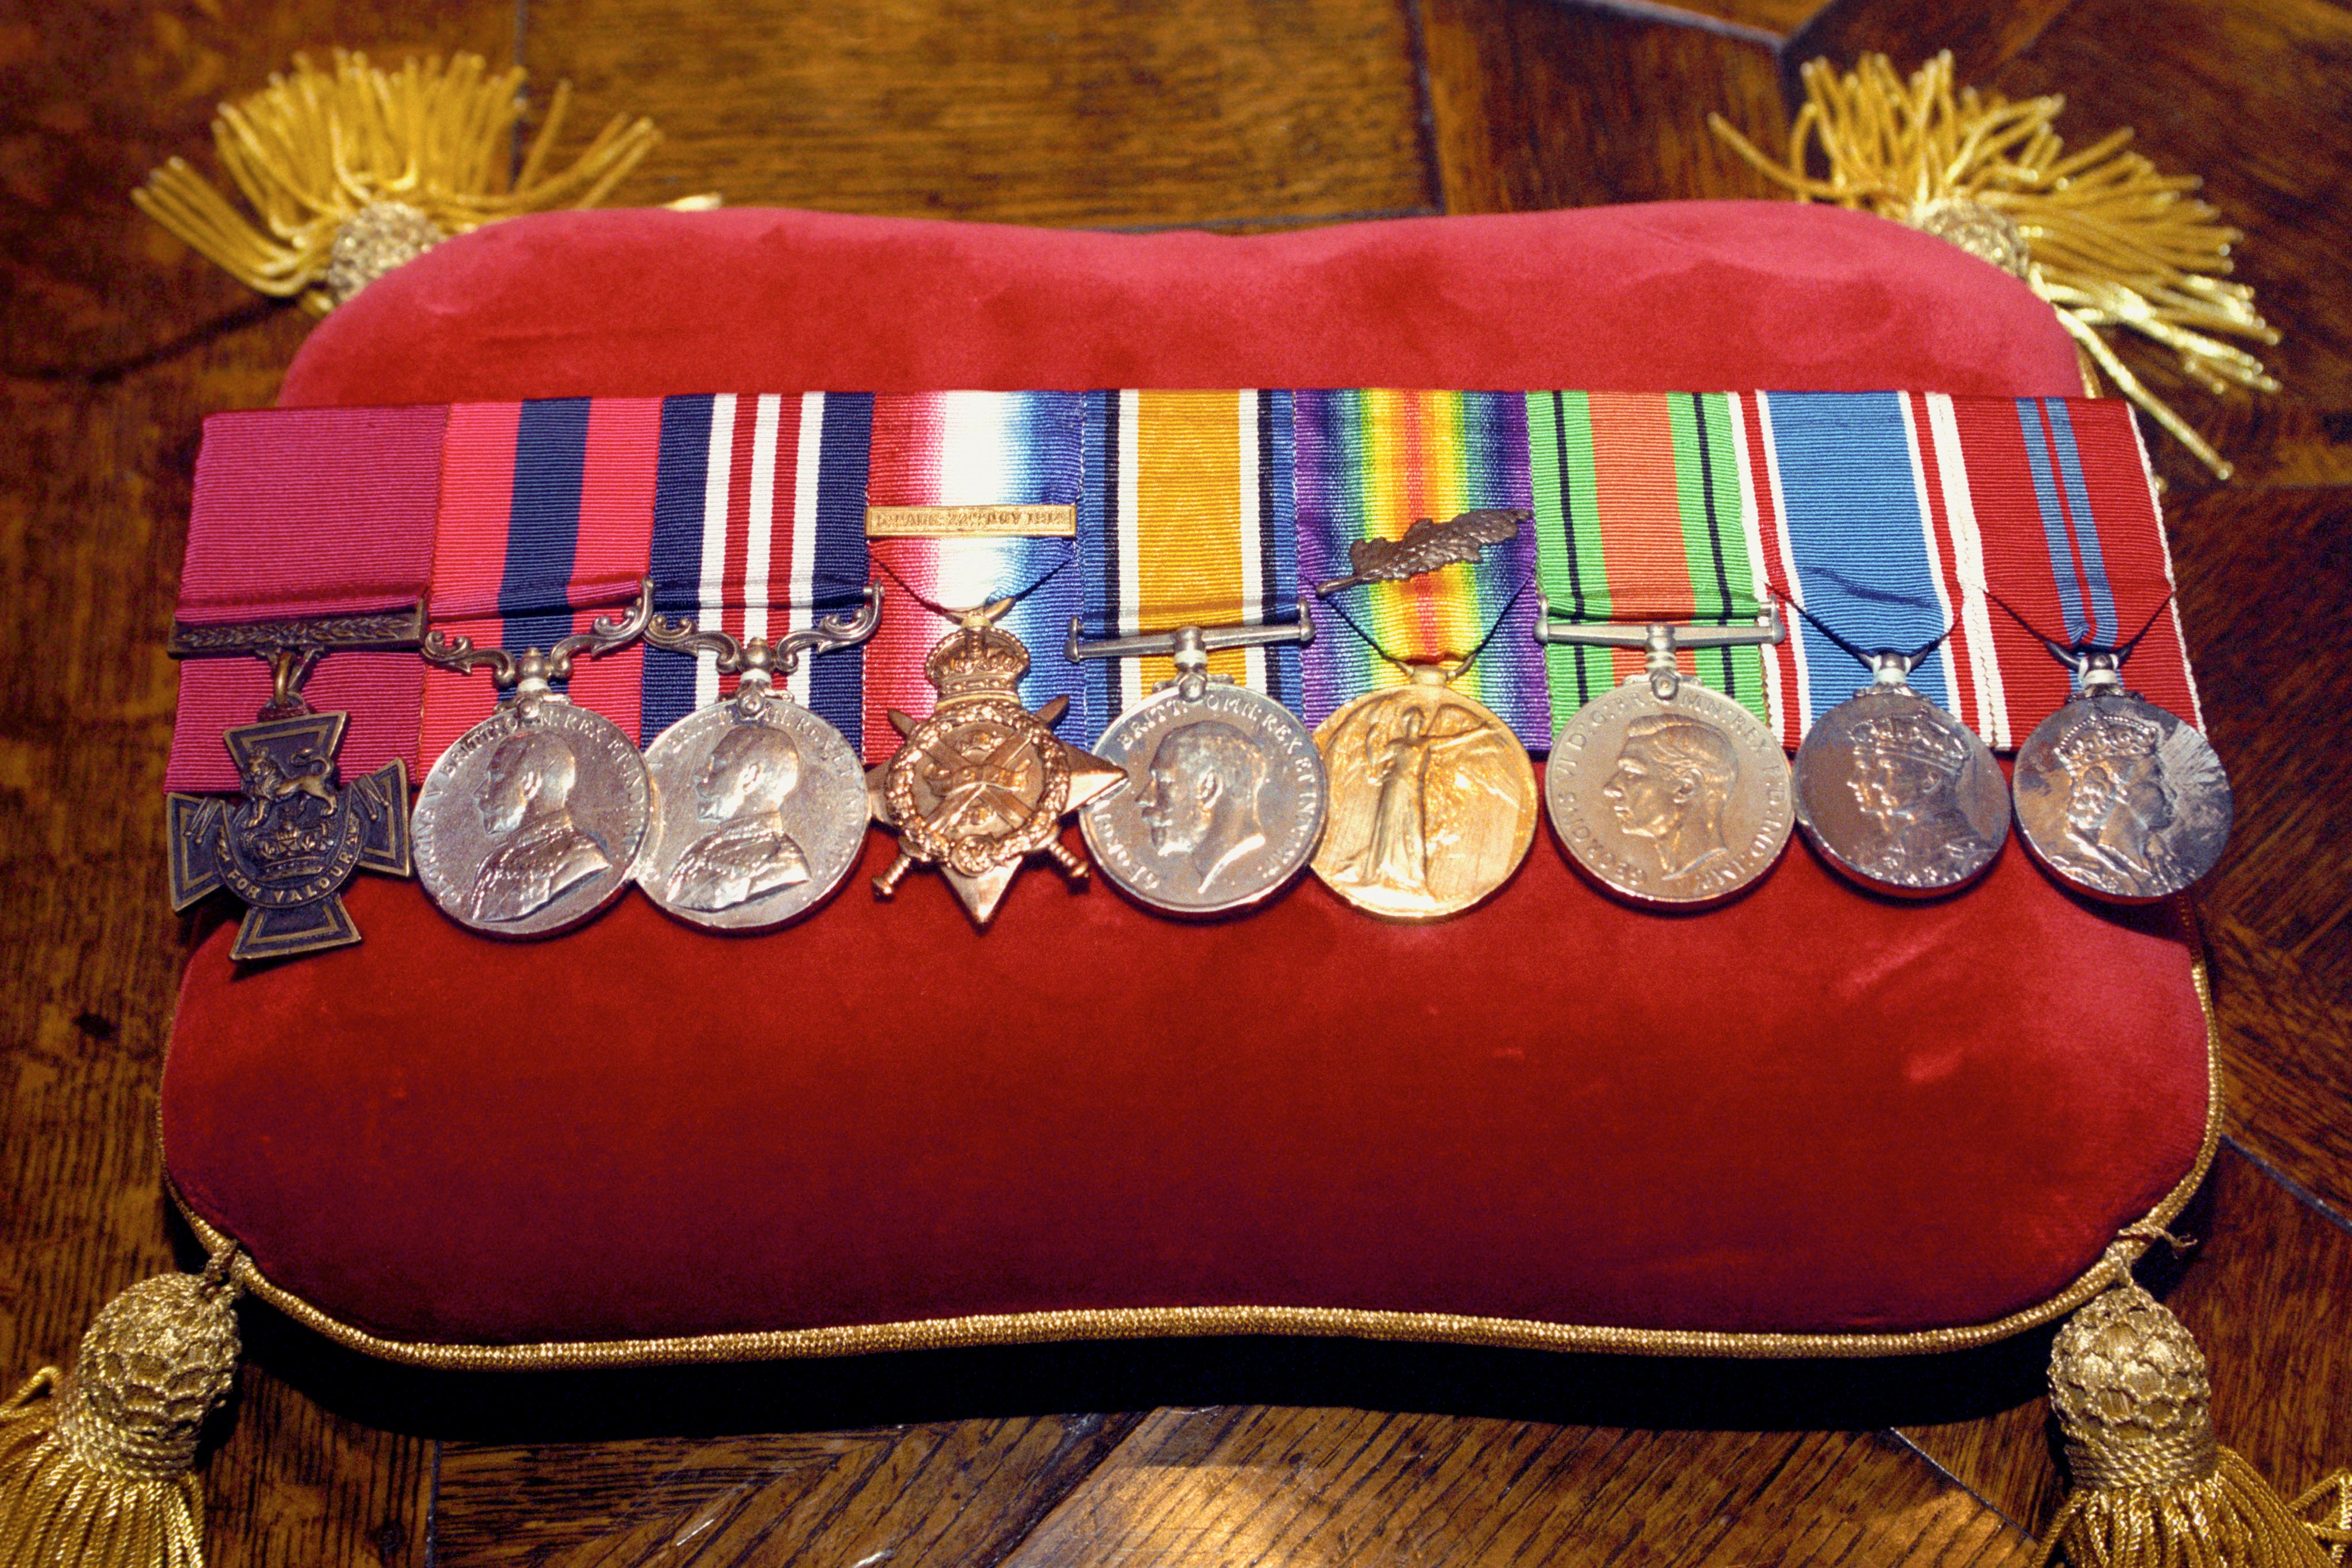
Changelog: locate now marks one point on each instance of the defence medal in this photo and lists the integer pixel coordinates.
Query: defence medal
(759, 805)
(1665, 793)
(1225, 793)
(298, 835)
(1432, 800)
(1896, 794)
(2117, 795)
(982, 783)
(531, 822)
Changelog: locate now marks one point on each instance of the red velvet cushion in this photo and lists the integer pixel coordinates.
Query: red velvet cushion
(1810, 1111)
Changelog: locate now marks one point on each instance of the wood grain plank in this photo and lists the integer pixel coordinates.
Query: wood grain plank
(1543, 105)
(959, 1493)
(1335, 1486)
(1079, 111)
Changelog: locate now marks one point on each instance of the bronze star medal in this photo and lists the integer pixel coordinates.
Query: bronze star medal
(983, 783)
(298, 835)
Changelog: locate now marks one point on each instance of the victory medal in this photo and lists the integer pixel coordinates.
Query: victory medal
(982, 783)
(531, 823)
(759, 805)
(1224, 796)
(1664, 792)
(2117, 795)
(295, 839)
(1896, 794)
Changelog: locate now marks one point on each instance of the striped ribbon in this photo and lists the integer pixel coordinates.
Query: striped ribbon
(1369, 464)
(1888, 514)
(1188, 519)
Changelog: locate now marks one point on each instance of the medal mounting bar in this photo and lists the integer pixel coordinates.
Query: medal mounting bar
(1659, 640)
(1190, 646)
(529, 675)
(758, 661)
(292, 647)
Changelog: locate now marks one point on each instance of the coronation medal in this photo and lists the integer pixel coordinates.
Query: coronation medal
(531, 823)
(760, 805)
(1224, 791)
(1897, 794)
(2117, 795)
(1665, 793)
(297, 835)
(982, 783)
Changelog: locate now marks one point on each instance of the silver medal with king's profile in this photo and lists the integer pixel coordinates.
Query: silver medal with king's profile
(2118, 797)
(1224, 798)
(1897, 794)
(760, 805)
(1665, 793)
(531, 821)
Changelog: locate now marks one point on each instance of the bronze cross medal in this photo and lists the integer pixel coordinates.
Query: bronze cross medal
(983, 783)
(289, 844)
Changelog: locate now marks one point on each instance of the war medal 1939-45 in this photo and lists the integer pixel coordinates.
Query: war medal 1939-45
(1224, 794)
(1665, 793)
(298, 835)
(531, 823)
(760, 805)
(2118, 797)
(982, 783)
(1898, 795)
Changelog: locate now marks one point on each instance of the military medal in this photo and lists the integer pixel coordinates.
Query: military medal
(1896, 794)
(1665, 793)
(531, 822)
(1224, 794)
(2117, 795)
(295, 836)
(982, 783)
(759, 805)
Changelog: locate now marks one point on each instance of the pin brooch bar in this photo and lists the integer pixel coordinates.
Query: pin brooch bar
(1186, 641)
(374, 632)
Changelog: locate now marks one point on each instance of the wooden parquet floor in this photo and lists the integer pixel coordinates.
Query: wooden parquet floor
(114, 342)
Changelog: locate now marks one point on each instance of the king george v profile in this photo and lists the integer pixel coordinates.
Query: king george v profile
(2118, 801)
(742, 788)
(1672, 785)
(1201, 798)
(525, 802)
(1906, 781)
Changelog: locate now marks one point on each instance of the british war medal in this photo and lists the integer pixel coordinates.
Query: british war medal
(531, 821)
(1224, 795)
(759, 805)
(2117, 795)
(296, 834)
(1897, 794)
(982, 783)
(1665, 793)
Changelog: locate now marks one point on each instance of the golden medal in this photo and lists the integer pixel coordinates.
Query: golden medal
(1665, 793)
(982, 783)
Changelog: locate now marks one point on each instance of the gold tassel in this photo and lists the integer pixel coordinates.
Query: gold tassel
(2153, 1488)
(354, 171)
(99, 1468)
(2099, 233)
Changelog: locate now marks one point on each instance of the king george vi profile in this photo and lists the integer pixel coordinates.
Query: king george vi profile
(525, 803)
(742, 788)
(1672, 785)
(1201, 798)
(2118, 801)
(1906, 781)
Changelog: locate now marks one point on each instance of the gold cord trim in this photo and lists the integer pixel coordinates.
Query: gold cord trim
(1152, 1322)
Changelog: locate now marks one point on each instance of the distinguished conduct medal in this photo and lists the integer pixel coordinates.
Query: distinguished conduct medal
(531, 821)
(1224, 795)
(982, 783)
(298, 835)
(1664, 792)
(1897, 794)
(759, 805)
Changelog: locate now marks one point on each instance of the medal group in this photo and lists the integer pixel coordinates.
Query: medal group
(1413, 802)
